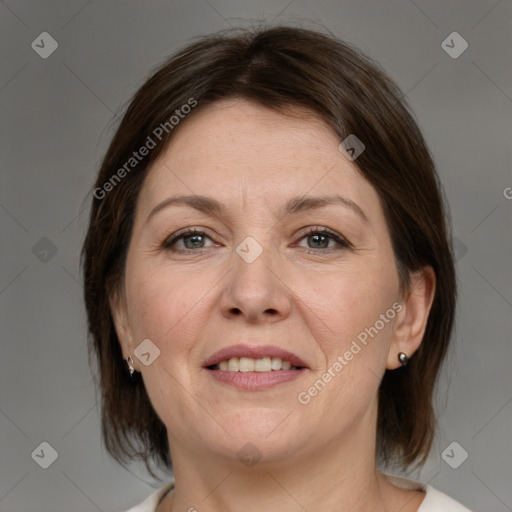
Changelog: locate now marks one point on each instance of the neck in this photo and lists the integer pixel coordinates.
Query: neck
(338, 475)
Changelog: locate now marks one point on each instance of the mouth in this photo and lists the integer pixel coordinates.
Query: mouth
(243, 358)
(248, 364)
(254, 368)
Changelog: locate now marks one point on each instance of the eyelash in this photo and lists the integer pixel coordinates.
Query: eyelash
(342, 242)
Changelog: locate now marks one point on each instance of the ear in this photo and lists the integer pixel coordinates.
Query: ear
(412, 319)
(119, 312)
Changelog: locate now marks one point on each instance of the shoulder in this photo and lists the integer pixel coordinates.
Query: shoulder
(151, 502)
(434, 501)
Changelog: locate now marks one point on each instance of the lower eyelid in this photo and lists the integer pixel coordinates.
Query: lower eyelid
(337, 245)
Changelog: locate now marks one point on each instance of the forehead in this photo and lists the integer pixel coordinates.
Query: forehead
(235, 150)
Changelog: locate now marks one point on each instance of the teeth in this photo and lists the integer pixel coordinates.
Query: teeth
(276, 363)
(263, 365)
(233, 364)
(248, 364)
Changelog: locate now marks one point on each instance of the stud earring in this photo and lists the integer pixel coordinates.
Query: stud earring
(403, 358)
(129, 362)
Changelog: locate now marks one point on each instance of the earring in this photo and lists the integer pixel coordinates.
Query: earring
(403, 358)
(129, 361)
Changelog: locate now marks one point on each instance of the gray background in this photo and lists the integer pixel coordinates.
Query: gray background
(57, 117)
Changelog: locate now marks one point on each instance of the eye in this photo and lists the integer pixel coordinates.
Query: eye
(323, 240)
(318, 240)
(190, 240)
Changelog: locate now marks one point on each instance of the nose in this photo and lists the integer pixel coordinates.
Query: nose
(255, 290)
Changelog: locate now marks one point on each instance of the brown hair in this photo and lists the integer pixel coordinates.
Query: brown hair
(278, 68)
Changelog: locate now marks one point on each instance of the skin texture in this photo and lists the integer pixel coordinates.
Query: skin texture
(319, 455)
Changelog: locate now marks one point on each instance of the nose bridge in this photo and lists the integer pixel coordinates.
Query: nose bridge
(254, 289)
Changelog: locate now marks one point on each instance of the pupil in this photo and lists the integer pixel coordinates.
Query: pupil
(194, 239)
(317, 237)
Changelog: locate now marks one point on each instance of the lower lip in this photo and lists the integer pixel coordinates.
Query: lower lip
(255, 381)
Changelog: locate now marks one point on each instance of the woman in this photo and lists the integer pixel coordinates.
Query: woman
(269, 282)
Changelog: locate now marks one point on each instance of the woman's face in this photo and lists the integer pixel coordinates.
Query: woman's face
(295, 260)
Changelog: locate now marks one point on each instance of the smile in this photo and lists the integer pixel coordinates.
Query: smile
(254, 367)
(249, 364)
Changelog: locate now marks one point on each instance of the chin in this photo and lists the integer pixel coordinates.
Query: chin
(268, 436)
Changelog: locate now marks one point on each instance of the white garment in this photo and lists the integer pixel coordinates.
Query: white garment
(434, 501)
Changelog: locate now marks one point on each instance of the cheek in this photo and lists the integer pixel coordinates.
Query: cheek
(346, 322)
(159, 304)
(169, 309)
(352, 299)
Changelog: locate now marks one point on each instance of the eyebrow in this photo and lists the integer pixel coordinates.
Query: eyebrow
(295, 205)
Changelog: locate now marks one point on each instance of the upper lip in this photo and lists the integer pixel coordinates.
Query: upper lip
(254, 353)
